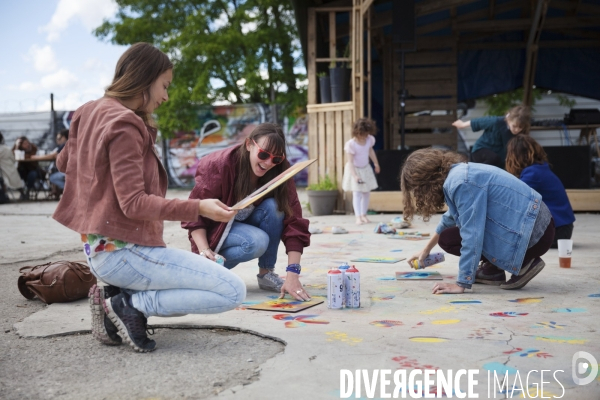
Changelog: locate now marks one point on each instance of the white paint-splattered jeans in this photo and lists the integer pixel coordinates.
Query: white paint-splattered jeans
(169, 282)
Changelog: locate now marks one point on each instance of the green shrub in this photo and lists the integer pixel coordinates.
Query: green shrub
(325, 184)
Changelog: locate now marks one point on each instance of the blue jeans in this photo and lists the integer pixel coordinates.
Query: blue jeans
(169, 282)
(258, 236)
(58, 179)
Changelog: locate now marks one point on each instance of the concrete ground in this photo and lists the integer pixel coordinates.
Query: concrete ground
(47, 351)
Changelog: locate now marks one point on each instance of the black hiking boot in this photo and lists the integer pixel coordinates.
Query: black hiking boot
(130, 322)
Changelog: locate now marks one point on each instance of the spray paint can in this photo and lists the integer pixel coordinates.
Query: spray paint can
(219, 260)
(431, 259)
(352, 286)
(335, 289)
(344, 267)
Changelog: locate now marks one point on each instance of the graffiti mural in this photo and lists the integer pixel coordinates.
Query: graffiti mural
(220, 127)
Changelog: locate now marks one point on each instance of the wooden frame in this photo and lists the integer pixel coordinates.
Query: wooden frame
(431, 73)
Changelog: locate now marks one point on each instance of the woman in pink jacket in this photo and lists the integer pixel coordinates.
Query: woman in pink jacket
(115, 198)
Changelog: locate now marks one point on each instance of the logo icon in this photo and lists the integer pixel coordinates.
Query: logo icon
(581, 363)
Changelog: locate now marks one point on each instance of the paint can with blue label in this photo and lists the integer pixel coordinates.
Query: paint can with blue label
(431, 259)
(219, 260)
(335, 289)
(352, 287)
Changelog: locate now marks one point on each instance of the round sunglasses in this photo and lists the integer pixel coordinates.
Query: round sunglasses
(265, 155)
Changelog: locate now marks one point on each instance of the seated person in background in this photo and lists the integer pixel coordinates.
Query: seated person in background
(56, 177)
(527, 160)
(7, 167)
(490, 148)
(28, 170)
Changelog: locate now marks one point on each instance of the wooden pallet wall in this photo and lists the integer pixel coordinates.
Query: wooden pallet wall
(431, 82)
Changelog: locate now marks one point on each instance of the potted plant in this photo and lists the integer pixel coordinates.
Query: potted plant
(339, 77)
(324, 87)
(322, 196)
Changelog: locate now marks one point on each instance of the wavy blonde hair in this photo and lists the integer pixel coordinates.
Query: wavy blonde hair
(422, 181)
(523, 151)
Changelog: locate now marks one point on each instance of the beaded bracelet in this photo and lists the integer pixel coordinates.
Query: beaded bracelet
(295, 268)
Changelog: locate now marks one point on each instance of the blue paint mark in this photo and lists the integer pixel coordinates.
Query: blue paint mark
(387, 278)
(465, 302)
(570, 310)
(594, 295)
(396, 251)
(500, 368)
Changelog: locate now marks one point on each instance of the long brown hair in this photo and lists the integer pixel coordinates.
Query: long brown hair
(521, 115)
(136, 71)
(275, 144)
(422, 177)
(523, 151)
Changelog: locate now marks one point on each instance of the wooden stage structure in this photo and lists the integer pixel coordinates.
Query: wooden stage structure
(345, 32)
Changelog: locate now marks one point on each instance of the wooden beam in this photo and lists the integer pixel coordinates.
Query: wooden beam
(525, 24)
(311, 57)
(332, 38)
(313, 148)
(581, 200)
(433, 6)
(532, 50)
(332, 9)
(369, 84)
(416, 105)
(328, 59)
(341, 106)
(521, 45)
(365, 6)
(339, 156)
(427, 122)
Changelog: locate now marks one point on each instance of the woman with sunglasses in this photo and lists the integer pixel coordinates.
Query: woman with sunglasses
(232, 174)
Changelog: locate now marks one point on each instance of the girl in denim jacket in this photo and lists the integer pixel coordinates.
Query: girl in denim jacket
(492, 218)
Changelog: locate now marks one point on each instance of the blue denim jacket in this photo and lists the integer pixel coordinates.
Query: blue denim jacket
(495, 213)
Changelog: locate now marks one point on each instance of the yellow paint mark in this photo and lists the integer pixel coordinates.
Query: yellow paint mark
(561, 340)
(535, 393)
(428, 340)
(443, 309)
(342, 337)
(445, 321)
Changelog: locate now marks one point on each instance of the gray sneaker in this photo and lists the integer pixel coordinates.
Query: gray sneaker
(270, 281)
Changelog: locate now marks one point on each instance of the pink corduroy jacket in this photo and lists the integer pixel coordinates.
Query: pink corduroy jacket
(115, 183)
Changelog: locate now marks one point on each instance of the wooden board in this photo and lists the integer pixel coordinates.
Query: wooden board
(272, 184)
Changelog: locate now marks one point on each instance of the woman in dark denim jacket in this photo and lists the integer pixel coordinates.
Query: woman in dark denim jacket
(493, 218)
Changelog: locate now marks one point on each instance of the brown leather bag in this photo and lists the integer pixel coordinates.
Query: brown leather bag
(56, 282)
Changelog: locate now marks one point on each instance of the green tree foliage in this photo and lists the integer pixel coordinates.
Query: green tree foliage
(499, 104)
(242, 51)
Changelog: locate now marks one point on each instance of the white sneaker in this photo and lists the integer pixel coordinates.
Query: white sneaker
(336, 230)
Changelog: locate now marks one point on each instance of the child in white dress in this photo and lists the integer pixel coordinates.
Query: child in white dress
(358, 174)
